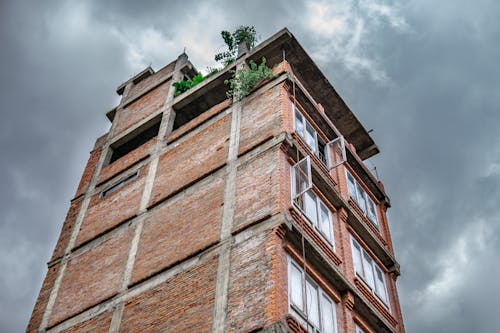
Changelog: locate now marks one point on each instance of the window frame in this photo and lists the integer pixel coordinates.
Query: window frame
(373, 266)
(301, 314)
(317, 225)
(305, 123)
(366, 199)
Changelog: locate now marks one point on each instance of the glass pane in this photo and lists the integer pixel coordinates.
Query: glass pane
(299, 123)
(327, 315)
(371, 211)
(380, 284)
(312, 303)
(368, 270)
(325, 222)
(322, 151)
(296, 287)
(302, 176)
(310, 137)
(356, 257)
(361, 198)
(310, 206)
(352, 186)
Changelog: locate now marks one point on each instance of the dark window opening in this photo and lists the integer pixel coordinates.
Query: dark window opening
(120, 184)
(135, 140)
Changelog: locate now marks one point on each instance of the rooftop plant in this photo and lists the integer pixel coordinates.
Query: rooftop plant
(245, 79)
(244, 34)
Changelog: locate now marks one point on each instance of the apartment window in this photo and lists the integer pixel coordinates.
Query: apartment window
(366, 268)
(330, 153)
(309, 203)
(308, 303)
(120, 184)
(359, 195)
(310, 136)
(135, 139)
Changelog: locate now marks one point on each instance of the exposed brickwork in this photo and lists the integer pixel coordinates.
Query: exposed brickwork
(260, 119)
(181, 227)
(150, 82)
(98, 324)
(195, 157)
(250, 285)
(141, 108)
(92, 277)
(89, 171)
(43, 297)
(126, 161)
(67, 228)
(192, 124)
(106, 212)
(183, 303)
(257, 187)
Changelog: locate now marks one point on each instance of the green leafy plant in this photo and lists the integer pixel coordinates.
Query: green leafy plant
(184, 85)
(244, 34)
(245, 79)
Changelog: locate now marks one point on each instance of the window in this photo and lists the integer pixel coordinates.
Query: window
(308, 302)
(366, 268)
(359, 195)
(119, 185)
(135, 139)
(310, 136)
(309, 203)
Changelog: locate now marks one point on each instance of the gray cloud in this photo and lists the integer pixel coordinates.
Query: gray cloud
(423, 75)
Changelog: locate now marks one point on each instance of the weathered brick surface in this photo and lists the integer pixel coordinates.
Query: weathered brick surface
(43, 297)
(251, 290)
(183, 303)
(92, 276)
(260, 119)
(67, 228)
(95, 154)
(107, 212)
(141, 108)
(149, 82)
(192, 124)
(98, 324)
(180, 227)
(195, 157)
(126, 161)
(257, 189)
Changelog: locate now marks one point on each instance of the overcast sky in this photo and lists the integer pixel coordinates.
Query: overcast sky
(424, 75)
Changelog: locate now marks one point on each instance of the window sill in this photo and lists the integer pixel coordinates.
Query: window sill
(367, 221)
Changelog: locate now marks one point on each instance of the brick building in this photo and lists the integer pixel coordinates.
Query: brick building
(199, 213)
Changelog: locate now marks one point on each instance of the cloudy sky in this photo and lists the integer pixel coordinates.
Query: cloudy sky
(424, 75)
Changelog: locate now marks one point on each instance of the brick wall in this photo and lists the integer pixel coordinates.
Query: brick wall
(91, 277)
(67, 228)
(183, 303)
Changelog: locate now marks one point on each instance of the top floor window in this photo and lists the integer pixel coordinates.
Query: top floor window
(359, 195)
(308, 303)
(310, 136)
(366, 268)
(330, 153)
(309, 202)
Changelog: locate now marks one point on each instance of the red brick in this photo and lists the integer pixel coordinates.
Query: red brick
(43, 297)
(183, 303)
(98, 324)
(257, 189)
(195, 157)
(181, 227)
(104, 213)
(67, 228)
(92, 277)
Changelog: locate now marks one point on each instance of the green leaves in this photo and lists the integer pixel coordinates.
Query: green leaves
(232, 40)
(244, 80)
(184, 85)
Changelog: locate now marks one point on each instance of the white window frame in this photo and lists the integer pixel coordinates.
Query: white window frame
(365, 197)
(301, 197)
(317, 137)
(329, 146)
(300, 311)
(382, 295)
